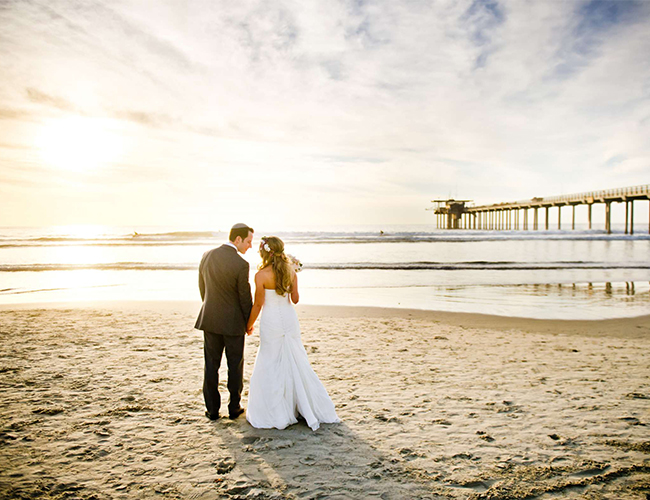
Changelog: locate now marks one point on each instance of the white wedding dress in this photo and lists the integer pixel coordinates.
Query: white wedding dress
(283, 384)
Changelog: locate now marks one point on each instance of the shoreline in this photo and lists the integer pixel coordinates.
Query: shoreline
(635, 326)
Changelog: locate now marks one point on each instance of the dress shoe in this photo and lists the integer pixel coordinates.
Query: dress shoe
(234, 414)
(211, 416)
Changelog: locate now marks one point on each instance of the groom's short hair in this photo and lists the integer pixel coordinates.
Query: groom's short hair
(240, 230)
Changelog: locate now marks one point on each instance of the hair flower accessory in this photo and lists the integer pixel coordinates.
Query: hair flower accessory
(264, 245)
(295, 263)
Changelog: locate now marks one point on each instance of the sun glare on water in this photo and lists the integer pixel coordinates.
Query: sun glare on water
(79, 144)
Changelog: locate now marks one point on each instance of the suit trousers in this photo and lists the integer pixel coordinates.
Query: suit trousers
(213, 347)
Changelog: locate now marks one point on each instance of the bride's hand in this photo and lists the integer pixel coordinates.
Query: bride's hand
(249, 331)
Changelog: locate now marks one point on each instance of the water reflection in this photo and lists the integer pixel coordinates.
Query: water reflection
(586, 300)
(587, 289)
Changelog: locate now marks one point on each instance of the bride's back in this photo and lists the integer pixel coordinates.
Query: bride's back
(268, 279)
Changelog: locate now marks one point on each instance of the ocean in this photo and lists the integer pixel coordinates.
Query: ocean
(570, 274)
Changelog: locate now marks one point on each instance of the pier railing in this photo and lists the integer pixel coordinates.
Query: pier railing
(619, 194)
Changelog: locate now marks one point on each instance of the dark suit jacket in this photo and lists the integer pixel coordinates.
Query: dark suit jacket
(225, 291)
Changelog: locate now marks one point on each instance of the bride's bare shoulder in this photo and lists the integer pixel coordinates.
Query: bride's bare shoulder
(266, 271)
(265, 277)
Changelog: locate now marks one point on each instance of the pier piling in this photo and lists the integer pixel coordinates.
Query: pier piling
(547, 214)
(573, 218)
(507, 216)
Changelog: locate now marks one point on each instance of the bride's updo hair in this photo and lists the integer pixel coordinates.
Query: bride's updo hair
(272, 252)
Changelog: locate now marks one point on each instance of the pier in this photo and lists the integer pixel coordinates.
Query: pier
(507, 216)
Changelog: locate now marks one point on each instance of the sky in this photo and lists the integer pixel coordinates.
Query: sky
(310, 113)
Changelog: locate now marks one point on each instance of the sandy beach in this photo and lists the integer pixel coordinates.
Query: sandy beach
(104, 401)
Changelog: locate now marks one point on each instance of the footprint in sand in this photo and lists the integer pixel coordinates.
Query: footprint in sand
(53, 410)
(637, 395)
(384, 418)
(476, 485)
(224, 465)
(631, 420)
(262, 444)
(409, 454)
(307, 461)
(485, 436)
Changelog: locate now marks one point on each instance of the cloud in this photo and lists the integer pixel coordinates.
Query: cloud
(589, 28)
(12, 114)
(483, 97)
(144, 118)
(83, 18)
(597, 16)
(39, 97)
(482, 18)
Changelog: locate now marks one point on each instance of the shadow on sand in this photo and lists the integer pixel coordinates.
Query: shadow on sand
(332, 462)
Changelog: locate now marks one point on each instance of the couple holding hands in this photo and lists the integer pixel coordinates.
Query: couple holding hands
(283, 386)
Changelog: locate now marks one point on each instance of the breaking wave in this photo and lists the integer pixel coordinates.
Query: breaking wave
(388, 266)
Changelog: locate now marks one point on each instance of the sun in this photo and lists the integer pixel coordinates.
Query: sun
(79, 144)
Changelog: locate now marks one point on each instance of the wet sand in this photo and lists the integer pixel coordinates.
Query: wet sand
(104, 401)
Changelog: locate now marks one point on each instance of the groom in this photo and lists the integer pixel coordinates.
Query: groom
(227, 303)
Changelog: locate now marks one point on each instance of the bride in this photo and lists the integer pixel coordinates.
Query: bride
(283, 384)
